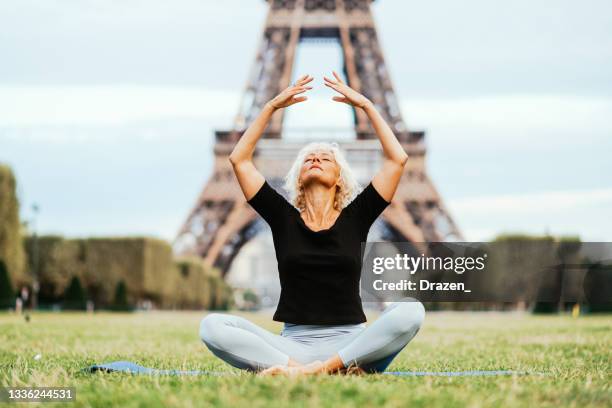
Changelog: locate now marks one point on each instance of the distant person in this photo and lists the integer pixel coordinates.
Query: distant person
(24, 295)
(317, 238)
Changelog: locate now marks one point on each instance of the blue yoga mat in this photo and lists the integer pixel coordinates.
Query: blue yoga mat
(133, 368)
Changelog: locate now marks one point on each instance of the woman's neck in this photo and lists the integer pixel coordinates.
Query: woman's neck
(319, 202)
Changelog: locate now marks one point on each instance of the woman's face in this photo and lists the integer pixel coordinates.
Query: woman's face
(319, 166)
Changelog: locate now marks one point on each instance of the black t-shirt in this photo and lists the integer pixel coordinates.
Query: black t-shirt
(319, 270)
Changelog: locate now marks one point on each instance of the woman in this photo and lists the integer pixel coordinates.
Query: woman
(317, 239)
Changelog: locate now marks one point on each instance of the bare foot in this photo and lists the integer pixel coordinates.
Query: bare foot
(274, 370)
(293, 363)
(315, 367)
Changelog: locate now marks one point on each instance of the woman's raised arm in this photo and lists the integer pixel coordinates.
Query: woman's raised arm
(386, 180)
(249, 178)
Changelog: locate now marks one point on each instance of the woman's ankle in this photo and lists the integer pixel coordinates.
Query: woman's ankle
(333, 365)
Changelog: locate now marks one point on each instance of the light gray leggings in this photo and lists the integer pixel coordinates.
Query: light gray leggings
(245, 345)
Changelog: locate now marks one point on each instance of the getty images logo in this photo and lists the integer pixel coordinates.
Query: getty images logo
(412, 264)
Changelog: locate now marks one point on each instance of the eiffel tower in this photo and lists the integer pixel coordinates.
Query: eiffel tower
(221, 221)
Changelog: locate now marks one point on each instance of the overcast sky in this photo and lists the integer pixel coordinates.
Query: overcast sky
(108, 107)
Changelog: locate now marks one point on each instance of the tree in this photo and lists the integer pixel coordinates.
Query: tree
(251, 299)
(74, 296)
(11, 246)
(7, 296)
(120, 302)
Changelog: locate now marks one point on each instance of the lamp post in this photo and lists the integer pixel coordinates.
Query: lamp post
(35, 283)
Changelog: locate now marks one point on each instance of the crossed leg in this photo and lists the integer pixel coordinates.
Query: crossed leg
(374, 348)
(245, 345)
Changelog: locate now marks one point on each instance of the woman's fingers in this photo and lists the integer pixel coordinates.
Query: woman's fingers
(340, 87)
(298, 99)
(307, 80)
(296, 90)
(304, 80)
(297, 83)
(340, 99)
(337, 77)
(334, 87)
(330, 84)
(338, 80)
(331, 81)
(300, 90)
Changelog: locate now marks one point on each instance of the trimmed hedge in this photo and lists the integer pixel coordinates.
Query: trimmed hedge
(11, 248)
(145, 266)
(75, 297)
(191, 285)
(120, 303)
(7, 296)
(549, 267)
(59, 260)
(197, 284)
(142, 263)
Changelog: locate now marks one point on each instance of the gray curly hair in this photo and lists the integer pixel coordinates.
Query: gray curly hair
(348, 185)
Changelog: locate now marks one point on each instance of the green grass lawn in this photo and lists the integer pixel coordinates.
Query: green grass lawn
(573, 353)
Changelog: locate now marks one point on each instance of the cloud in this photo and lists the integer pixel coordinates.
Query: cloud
(567, 212)
(538, 121)
(165, 131)
(516, 117)
(104, 105)
(534, 203)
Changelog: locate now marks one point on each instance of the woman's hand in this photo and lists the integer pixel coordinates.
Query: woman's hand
(349, 95)
(288, 96)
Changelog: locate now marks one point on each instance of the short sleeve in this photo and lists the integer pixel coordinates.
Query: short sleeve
(270, 204)
(368, 205)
